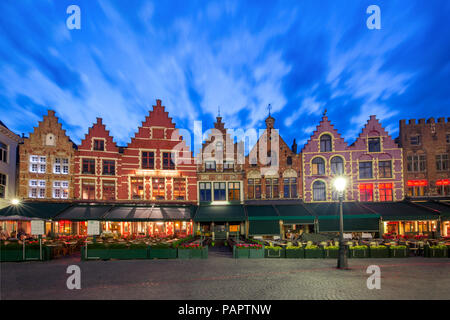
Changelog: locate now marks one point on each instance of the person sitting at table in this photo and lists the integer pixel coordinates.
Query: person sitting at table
(13, 236)
(3, 234)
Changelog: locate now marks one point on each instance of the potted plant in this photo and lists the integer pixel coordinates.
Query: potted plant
(241, 251)
(163, 251)
(274, 252)
(379, 251)
(313, 251)
(437, 251)
(331, 251)
(138, 250)
(295, 252)
(359, 252)
(398, 251)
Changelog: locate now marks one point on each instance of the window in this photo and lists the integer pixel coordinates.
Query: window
(365, 170)
(443, 187)
(290, 187)
(108, 190)
(61, 166)
(99, 145)
(415, 140)
(234, 191)
(337, 166)
(318, 166)
(447, 137)
(319, 191)
(205, 191)
(442, 162)
(60, 189)
(88, 189)
(3, 152)
(109, 167)
(88, 166)
(289, 160)
(179, 188)
(219, 191)
(385, 169)
(2, 186)
(366, 192)
(374, 145)
(148, 160)
(137, 188)
(168, 162)
(272, 190)
(325, 143)
(254, 189)
(210, 165)
(38, 164)
(158, 189)
(228, 165)
(37, 189)
(416, 163)
(385, 190)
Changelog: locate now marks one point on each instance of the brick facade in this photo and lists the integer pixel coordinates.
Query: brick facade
(426, 152)
(375, 171)
(46, 162)
(272, 173)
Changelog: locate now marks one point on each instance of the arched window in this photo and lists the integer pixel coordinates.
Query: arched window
(325, 143)
(318, 166)
(319, 191)
(337, 165)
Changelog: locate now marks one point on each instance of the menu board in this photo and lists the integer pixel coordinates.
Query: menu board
(37, 227)
(93, 228)
(234, 228)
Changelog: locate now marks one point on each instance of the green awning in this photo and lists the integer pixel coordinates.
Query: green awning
(357, 223)
(267, 227)
(41, 210)
(441, 208)
(402, 211)
(295, 214)
(261, 213)
(83, 213)
(220, 213)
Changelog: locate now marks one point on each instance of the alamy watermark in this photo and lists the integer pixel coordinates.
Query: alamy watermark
(374, 280)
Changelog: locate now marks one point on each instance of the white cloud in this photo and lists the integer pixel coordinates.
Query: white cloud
(309, 106)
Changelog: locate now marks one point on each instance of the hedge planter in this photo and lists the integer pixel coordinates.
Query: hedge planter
(199, 253)
(95, 253)
(331, 253)
(256, 253)
(379, 252)
(436, 252)
(358, 252)
(184, 253)
(314, 253)
(11, 255)
(295, 253)
(274, 253)
(34, 253)
(163, 253)
(241, 253)
(398, 252)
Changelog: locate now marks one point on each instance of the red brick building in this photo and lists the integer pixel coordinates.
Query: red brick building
(97, 165)
(426, 152)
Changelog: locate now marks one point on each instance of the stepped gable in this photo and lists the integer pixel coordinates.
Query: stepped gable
(373, 128)
(98, 130)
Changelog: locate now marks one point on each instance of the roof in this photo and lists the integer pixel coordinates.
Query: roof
(222, 213)
(41, 210)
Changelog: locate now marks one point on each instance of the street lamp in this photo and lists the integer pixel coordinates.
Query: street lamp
(339, 184)
(15, 201)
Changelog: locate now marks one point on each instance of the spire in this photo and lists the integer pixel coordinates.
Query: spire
(325, 113)
(269, 107)
(294, 146)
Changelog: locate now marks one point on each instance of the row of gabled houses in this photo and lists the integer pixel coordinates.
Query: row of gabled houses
(155, 184)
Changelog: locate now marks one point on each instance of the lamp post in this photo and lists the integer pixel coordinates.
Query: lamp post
(339, 184)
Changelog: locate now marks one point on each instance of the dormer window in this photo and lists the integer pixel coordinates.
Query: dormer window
(374, 145)
(325, 143)
(99, 145)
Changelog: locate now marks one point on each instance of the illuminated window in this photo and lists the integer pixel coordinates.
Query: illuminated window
(374, 145)
(2, 186)
(337, 165)
(325, 143)
(168, 161)
(272, 190)
(3, 152)
(319, 191)
(443, 187)
(385, 169)
(99, 145)
(88, 166)
(417, 188)
(205, 191)
(385, 190)
(109, 167)
(60, 189)
(148, 160)
(234, 191)
(365, 170)
(64, 227)
(137, 188)
(61, 166)
(318, 166)
(219, 191)
(37, 188)
(108, 190)
(179, 188)
(254, 188)
(158, 189)
(366, 192)
(88, 189)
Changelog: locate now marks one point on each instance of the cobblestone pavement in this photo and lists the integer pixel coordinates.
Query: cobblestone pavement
(221, 277)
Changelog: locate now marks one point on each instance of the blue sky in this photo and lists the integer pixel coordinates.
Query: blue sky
(299, 56)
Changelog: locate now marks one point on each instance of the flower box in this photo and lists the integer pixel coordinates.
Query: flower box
(313, 252)
(398, 252)
(199, 253)
(184, 253)
(274, 252)
(11, 255)
(379, 252)
(359, 252)
(331, 253)
(34, 253)
(439, 251)
(95, 253)
(295, 253)
(163, 253)
(241, 253)
(256, 253)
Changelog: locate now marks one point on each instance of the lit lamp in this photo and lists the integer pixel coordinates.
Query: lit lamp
(339, 185)
(15, 201)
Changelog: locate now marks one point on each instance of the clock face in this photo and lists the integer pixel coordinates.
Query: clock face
(50, 139)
